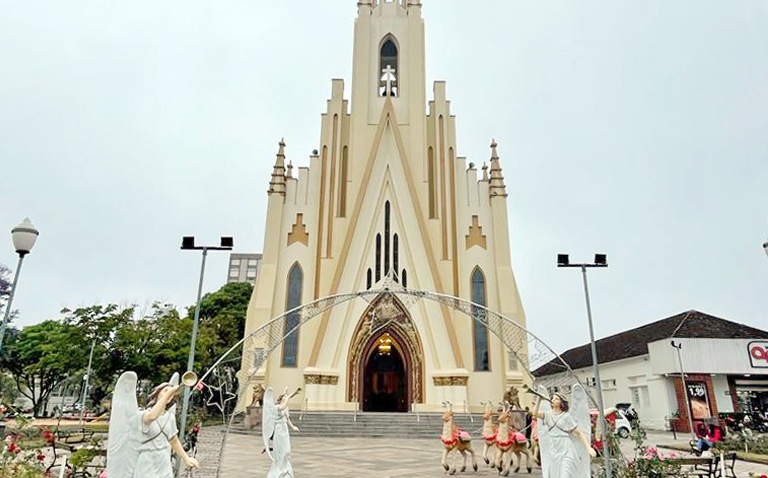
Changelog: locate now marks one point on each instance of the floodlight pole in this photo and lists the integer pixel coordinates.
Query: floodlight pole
(188, 243)
(600, 261)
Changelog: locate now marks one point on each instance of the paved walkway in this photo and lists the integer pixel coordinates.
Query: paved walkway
(379, 457)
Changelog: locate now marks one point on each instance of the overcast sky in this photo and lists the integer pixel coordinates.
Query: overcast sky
(636, 129)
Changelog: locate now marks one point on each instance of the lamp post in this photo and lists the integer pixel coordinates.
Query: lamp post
(24, 237)
(86, 379)
(600, 261)
(188, 243)
(679, 346)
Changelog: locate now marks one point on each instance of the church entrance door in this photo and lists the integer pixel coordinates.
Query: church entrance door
(385, 381)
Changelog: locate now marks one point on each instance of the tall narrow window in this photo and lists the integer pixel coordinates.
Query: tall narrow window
(293, 300)
(404, 278)
(386, 238)
(369, 279)
(378, 257)
(395, 254)
(479, 328)
(388, 68)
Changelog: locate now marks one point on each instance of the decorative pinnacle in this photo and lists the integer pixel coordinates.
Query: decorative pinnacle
(277, 184)
(497, 186)
(485, 172)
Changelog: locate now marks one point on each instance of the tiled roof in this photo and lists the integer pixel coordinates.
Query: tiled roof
(633, 343)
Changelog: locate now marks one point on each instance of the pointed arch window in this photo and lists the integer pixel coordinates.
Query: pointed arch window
(395, 254)
(378, 257)
(479, 328)
(293, 300)
(388, 72)
(386, 238)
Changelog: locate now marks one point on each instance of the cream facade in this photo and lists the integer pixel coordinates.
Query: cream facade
(387, 198)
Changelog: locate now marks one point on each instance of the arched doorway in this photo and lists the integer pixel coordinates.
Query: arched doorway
(385, 382)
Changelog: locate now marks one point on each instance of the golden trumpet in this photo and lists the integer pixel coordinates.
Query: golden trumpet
(189, 379)
(534, 392)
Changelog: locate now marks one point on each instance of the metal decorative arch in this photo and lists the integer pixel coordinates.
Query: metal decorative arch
(225, 386)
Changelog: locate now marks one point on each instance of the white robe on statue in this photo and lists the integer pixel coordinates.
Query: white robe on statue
(277, 440)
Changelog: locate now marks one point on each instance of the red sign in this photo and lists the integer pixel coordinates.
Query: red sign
(758, 354)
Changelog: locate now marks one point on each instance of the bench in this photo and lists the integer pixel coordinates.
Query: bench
(66, 442)
(706, 466)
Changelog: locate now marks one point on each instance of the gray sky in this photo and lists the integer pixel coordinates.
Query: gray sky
(636, 129)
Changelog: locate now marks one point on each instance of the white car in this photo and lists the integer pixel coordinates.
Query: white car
(623, 425)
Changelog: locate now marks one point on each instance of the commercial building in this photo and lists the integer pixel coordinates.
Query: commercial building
(725, 365)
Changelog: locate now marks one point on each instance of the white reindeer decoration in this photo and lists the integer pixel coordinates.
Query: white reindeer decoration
(454, 438)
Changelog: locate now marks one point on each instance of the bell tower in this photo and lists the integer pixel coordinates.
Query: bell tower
(389, 60)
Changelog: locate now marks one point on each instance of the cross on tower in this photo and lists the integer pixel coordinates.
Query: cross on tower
(389, 79)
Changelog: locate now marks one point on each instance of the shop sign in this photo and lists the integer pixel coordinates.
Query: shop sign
(697, 395)
(758, 354)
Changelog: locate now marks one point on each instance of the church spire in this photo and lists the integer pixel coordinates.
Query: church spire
(277, 184)
(497, 186)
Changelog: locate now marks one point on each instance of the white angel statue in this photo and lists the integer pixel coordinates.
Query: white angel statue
(274, 430)
(140, 441)
(564, 434)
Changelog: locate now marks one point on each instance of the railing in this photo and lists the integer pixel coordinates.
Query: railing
(468, 412)
(416, 410)
(354, 417)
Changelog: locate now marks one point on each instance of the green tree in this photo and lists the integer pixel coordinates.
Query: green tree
(5, 288)
(150, 343)
(42, 356)
(8, 390)
(222, 321)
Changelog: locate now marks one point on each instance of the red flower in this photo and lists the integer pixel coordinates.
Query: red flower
(49, 437)
(13, 447)
(40, 457)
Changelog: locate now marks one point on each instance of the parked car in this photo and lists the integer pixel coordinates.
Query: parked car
(619, 421)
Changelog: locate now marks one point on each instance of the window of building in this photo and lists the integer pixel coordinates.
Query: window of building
(388, 68)
(386, 238)
(641, 397)
(591, 382)
(609, 384)
(250, 273)
(234, 262)
(378, 257)
(293, 300)
(479, 329)
(253, 262)
(234, 272)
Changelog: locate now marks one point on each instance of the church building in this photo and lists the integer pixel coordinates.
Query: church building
(386, 199)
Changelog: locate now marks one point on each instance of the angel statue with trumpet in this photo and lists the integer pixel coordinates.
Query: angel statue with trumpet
(140, 441)
(274, 430)
(564, 430)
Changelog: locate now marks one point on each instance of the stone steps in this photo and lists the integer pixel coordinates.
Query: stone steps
(373, 424)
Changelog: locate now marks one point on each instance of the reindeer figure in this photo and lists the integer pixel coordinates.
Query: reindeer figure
(489, 431)
(454, 438)
(508, 442)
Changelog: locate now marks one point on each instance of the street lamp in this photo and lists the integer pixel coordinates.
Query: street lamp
(24, 237)
(679, 346)
(188, 243)
(600, 261)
